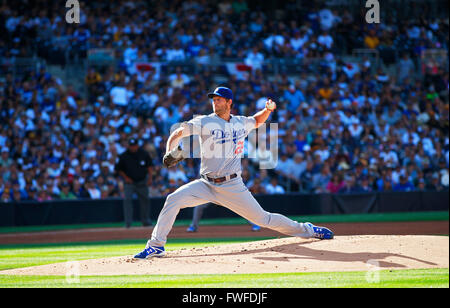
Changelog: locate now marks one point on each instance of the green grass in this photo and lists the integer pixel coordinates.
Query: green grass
(435, 278)
(341, 218)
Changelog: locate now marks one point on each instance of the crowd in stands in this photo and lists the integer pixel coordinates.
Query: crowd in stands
(342, 127)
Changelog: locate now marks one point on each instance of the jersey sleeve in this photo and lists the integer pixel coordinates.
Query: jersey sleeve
(249, 123)
(194, 125)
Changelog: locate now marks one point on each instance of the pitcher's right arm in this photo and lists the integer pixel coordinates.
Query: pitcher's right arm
(178, 134)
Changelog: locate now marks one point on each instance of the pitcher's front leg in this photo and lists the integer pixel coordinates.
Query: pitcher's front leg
(189, 195)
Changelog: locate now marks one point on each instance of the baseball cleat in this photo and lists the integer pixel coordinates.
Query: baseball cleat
(191, 229)
(151, 251)
(256, 228)
(319, 232)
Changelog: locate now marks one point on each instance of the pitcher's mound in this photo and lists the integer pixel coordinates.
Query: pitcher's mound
(343, 253)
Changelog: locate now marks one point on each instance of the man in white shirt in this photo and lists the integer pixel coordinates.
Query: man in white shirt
(179, 79)
(272, 40)
(298, 166)
(355, 129)
(326, 40)
(274, 188)
(389, 157)
(116, 121)
(299, 39)
(255, 59)
(150, 98)
(130, 54)
(176, 54)
(119, 95)
(327, 19)
(284, 165)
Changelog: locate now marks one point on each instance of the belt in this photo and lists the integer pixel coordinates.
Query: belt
(220, 180)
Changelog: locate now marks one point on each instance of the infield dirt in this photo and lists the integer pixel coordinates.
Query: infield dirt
(282, 255)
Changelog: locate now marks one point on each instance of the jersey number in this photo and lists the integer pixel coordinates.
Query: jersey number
(239, 148)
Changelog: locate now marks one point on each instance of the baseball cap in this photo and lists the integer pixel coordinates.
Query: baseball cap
(222, 92)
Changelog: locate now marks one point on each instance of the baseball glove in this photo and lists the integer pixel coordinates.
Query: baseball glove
(173, 157)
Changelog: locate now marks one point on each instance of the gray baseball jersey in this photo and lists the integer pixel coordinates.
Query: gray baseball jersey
(222, 145)
(221, 142)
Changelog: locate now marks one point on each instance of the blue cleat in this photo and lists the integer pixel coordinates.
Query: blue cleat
(191, 229)
(255, 228)
(152, 251)
(319, 232)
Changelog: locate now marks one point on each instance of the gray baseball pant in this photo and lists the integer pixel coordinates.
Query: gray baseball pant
(233, 195)
(197, 215)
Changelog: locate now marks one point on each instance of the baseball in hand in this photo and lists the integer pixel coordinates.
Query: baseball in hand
(270, 105)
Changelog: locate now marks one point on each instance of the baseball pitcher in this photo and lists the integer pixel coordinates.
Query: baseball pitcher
(222, 138)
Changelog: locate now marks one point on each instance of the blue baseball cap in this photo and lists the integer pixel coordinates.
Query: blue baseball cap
(222, 92)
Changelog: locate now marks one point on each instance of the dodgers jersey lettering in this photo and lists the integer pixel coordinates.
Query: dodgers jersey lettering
(221, 142)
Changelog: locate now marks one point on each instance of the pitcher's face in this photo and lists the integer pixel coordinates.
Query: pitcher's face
(221, 105)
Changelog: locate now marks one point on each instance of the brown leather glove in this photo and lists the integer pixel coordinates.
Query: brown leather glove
(173, 157)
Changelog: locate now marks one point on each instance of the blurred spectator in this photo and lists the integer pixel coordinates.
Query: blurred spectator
(321, 179)
(239, 6)
(350, 185)
(273, 187)
(178, 79)
(306, 178)
(335, 184)
(371, 40)
(298, 40)
(6, 192)
(294, 97)
(255, 59)
(66, 193)
(403, 185)
(444, 178)
(365, 185)
(301, 142)
(325, 40)
(434, 183)
(421, 185)
(325, 91)
(119, 95)
(327, 19)
(92, 189)
(43, 196)
(405, 68)
(5, 160)
(256, 187)
(295, 169)
(284, 165)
